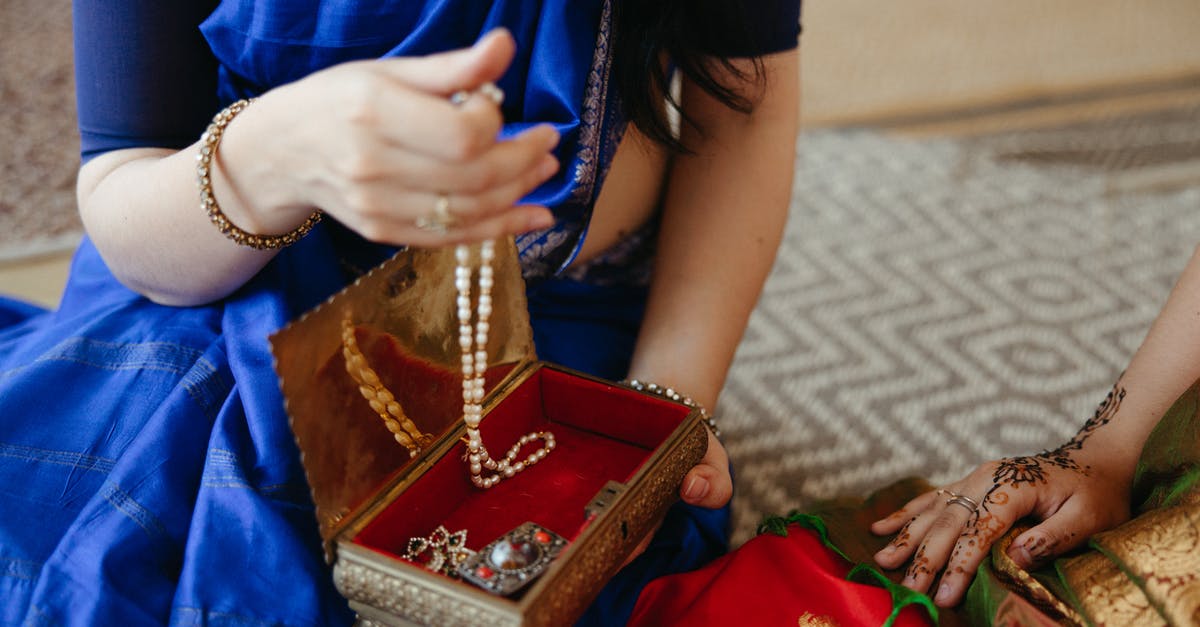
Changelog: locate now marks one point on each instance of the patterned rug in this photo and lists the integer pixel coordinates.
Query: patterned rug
(938, 303)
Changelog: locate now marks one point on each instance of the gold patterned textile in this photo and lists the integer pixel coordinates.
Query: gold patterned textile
(1156, 557)
(1146, 571)
(1106, 595)
(1033, 590)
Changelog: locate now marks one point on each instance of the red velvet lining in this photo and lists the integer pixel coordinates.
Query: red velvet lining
(608, 410)
(603, 433)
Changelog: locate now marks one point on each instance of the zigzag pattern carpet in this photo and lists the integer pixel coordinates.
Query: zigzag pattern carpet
(941, 302)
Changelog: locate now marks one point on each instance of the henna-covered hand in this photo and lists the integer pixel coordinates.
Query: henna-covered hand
(1071, 496)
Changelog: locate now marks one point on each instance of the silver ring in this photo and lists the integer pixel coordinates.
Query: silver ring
(964, 501)
(440, 221)
(491, 92)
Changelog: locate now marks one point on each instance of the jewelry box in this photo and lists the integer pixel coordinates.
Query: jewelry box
(619, 458)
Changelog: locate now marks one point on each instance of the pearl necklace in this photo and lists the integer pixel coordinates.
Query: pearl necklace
(474, 365)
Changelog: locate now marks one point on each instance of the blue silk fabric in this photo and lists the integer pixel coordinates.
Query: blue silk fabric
(147, 472)
(148, 475)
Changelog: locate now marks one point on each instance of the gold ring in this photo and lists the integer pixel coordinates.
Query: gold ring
(964, 501)
(441, 221)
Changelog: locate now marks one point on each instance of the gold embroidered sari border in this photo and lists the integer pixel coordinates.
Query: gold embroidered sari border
(1159, 552)
(1026, 585)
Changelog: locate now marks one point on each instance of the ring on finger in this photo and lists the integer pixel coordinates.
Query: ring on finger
(964, 501)
(487, 90)
(491, 92)
(955, 495)
(440, 221)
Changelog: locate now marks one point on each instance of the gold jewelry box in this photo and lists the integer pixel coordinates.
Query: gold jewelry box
(620, 458)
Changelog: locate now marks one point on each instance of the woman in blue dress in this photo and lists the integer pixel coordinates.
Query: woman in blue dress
(147, 472)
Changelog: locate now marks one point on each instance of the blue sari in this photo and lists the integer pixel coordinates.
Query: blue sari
(147, 472)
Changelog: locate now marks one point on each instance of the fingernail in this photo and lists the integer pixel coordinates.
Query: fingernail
(696, 489)
(943, 593)
(553, 138)
(1020, 556)
(548, 167)
(888, 550)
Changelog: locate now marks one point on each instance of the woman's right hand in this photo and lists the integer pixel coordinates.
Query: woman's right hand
(375, 143)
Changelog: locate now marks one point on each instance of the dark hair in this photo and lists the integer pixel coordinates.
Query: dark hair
(652, 38)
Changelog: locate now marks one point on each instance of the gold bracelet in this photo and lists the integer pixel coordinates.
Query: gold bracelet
(669, 393)
(208, 151)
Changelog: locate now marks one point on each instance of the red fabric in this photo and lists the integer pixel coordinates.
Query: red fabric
(602, 433)
(771, 580)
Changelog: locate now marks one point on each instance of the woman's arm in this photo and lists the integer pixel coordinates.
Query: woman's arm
(372, 144)
(723, 217)
(1075, 490)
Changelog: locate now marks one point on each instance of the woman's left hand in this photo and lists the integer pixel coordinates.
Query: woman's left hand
(707, 484)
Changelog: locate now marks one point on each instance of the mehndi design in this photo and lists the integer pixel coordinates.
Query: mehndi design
(984, 528)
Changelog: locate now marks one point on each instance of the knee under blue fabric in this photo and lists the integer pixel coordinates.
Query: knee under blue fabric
(148, 475)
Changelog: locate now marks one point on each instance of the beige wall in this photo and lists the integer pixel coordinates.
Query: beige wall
(879, 58)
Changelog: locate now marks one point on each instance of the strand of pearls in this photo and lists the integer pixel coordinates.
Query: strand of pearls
(473, 342)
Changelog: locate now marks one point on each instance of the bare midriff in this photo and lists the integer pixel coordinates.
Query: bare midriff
(630, 195)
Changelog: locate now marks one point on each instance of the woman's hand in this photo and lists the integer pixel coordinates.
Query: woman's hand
(709, 484)
(941, 532)
(376, 143)
(1075, 490)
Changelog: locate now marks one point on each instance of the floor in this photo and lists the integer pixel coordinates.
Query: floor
(37, 280)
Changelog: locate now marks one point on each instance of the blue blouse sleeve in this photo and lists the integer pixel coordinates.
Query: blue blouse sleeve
(144, 75)
(770, 26)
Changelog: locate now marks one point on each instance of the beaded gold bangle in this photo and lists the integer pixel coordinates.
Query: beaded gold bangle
(669, 393)
(208, 151)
